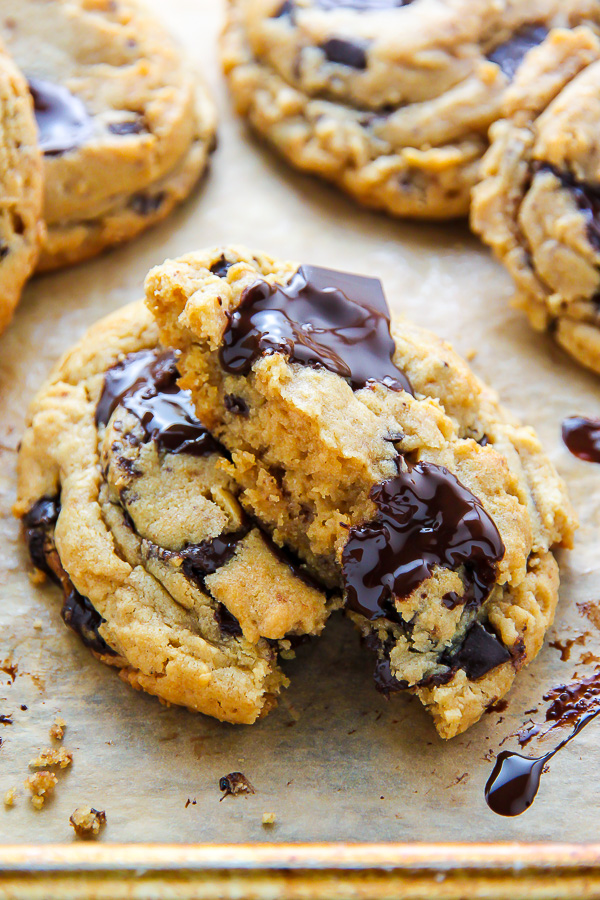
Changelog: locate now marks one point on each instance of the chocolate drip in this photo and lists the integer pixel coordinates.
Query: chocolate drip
(510, 55)
(345, 52)
(582, 437)
(77, 611)
(515, 779)
(63, 121)
(145, 383)
(425, 518)
(322, 318)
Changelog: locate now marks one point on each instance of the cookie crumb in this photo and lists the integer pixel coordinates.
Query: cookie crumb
(53, 756)
(38, 624)
(88, 821)
(37, 577)
(235, 783)
(40, 785)
(9, 797)
(57, 730)
(268, 819)
(471, 354)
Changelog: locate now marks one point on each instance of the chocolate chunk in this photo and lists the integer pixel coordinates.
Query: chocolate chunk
(582, 437)
(79, 614)
(480, 652)
(286, 9)
(425, 518)
(4, 250)
(587, 197)
(385, 682)
(63, 121)
(510, 55)
(200, 560)
(451, 600)
(128, 126)
(145, 383)
(39, 524)
(321, 318)
(227, 622)
(346, 53)
(221, 267)
(146, 204)
(236, 405)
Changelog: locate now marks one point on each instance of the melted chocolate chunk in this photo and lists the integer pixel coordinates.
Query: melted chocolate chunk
(77, 611)
(39, 525)
(200, 560)
(480, 652)
(451, 600)
(145, 383)
(425, 518)
(322, 318)
(510, 55)
(385, 682)
(79, 614)
(146, 204)
(4, 250)
(63, 121)
(227, 622)
(346, 53)
(129, 126)
(582, 437)
(221, 267)
(236, 405)
(587, 197)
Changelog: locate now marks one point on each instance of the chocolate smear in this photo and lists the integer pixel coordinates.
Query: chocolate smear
(63, 121)
(515, 779)
(145, 384)
(425, 518)
(510, 55)
(321, 318)
(582, 437)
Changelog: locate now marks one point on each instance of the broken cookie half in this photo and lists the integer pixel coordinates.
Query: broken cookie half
(128, 505)
(369, 448)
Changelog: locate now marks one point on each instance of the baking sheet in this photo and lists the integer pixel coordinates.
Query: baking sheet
(335, 761)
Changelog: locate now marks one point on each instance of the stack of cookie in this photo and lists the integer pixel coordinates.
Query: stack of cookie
(104, 130)
(210, 475)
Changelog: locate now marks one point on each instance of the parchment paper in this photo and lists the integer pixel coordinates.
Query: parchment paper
(335, 760)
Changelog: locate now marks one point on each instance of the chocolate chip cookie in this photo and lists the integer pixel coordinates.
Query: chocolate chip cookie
(128, 505)
(125, 127)
(21, 188)
(369, 447)
(538, 205)
(389, 99)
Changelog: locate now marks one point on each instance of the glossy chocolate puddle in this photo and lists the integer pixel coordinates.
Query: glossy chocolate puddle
(582, 437)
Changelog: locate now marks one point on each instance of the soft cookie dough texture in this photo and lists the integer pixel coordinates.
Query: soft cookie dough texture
(307, 450)
(163, 575)
(538, 205)
(125, 126)
(390, 100)
(21, 189)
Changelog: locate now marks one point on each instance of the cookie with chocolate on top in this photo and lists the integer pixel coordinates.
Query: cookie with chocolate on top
(538, 205)
(128, 506)
(125, 127)
(368, 447)
(389, 99)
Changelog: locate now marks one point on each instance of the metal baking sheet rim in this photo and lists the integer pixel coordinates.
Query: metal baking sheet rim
(328, 871)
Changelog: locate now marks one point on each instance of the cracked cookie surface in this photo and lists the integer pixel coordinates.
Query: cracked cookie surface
(390, 100)
(21, 188)
(125, 127)
(372, 451)
(127, 505)
(538, 205)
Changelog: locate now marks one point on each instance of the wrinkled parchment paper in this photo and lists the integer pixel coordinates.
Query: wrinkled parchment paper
(335, 761)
